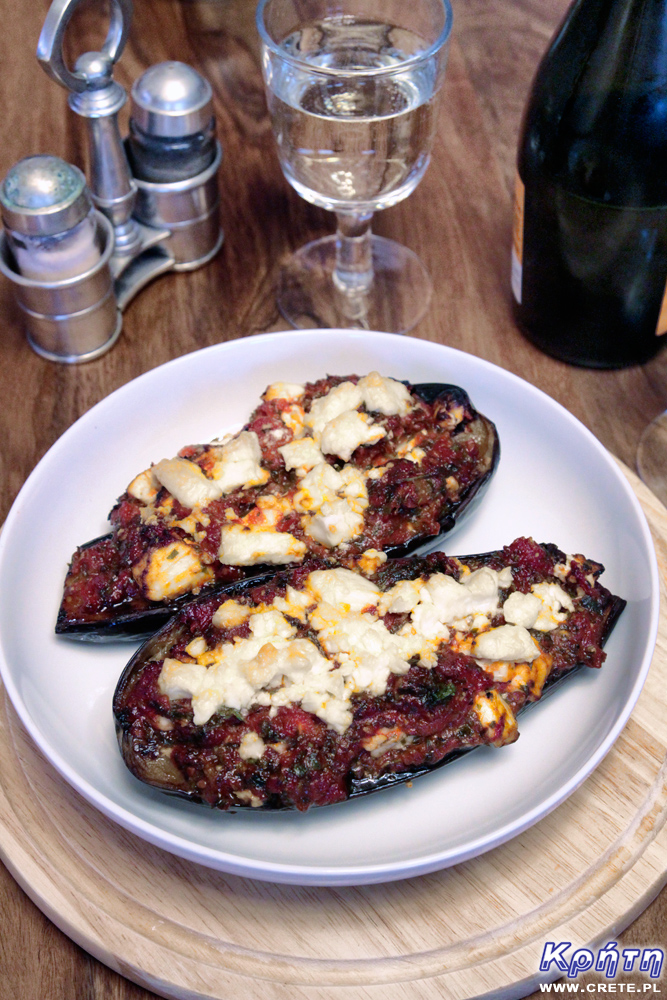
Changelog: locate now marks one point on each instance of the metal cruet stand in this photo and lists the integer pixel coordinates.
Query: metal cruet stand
(156, 226)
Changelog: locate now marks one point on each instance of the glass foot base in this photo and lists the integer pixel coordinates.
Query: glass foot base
(398, 298)
(652, 457)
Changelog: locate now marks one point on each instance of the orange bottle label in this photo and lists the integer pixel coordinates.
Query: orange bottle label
(517, 240)
(661, 328)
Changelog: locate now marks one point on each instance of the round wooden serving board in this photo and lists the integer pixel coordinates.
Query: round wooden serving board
(581, 875)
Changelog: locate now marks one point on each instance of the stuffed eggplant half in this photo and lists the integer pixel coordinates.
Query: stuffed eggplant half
(346, 470)
(321, 684)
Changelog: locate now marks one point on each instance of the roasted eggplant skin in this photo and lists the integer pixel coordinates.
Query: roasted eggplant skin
(146, 748)
(128, 615)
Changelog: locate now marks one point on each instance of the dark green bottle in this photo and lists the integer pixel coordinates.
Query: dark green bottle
(589, 264)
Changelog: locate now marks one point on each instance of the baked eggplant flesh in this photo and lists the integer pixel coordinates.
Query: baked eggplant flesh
(319, 684)
(345, 470)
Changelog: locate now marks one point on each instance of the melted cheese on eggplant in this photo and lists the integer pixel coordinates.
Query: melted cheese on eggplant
(239, 463)
(331, 502)
(144, 487)
(251, 747)
(385, 395)
(492, 710)
(302, 455)
(242, 545)
(186, 482)
(284, 390)
(355, 652)
(346, 432)
(169, 571)
(343, 397)
(541, 609)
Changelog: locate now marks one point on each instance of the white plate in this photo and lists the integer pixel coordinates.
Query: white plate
(555, 482)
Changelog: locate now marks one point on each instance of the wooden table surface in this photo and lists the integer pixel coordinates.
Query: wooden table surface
(458, 220)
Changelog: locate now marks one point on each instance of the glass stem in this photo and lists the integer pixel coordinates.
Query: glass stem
(353, 272)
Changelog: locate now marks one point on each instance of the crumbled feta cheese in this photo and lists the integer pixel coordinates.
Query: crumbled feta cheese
(293, 418)
(507, 642)
(230, 614)
(241, 546)
(257, 671)
(240, 463)
(453, 416)
(385, 395)
(403, 596)
(491, 708)
(541, 609)
(189, 524)
(319, 486)
(553, 598)
(476, 594)
(170, 571)
(353, 487)
(249, 798)
(270, 623)
(144, 487)
(343, 587)
(164, 724)
(529, 678)
(345, 433)
(251, 747)
(293, 603)
(284, 390)
(487, 709)
(346, 396)
(302, 455)
(186, 482)
(386, 739)
(323, 485)
(335, 524)
(427, 620)
(196, 646)
(268, 511)
(370, 561)
(562, 570)
(522, 609)
(178, 680)
(272, 668)
(366, 650)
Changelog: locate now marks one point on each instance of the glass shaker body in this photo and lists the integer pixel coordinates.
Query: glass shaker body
(164, 159)
(58, 256)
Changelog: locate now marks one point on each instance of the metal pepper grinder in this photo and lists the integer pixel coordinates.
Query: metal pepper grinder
(175, 158)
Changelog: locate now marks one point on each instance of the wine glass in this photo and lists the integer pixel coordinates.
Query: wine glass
(652, 456)
(351, 88)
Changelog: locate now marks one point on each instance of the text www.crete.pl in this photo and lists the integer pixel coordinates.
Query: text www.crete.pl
(645, 988)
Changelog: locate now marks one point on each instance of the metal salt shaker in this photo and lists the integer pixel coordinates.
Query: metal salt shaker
(174, 158)
(56, 250)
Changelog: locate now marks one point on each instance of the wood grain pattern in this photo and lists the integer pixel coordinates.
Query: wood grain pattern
(580, 875)
(458, 220)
